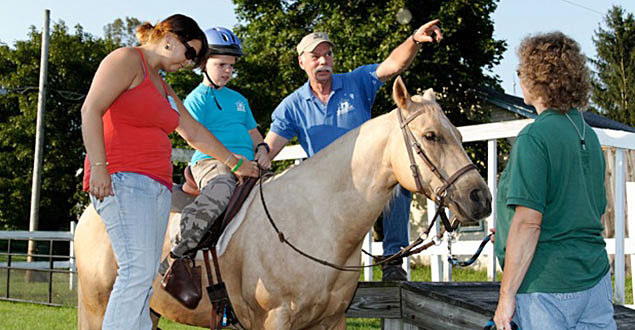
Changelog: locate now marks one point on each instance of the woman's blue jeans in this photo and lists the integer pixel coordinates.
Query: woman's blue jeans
(136, 218)
(582, 310)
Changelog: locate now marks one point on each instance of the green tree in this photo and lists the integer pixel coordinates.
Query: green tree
(614, 79)
(365, 32)
(73, 59)
(122, 31)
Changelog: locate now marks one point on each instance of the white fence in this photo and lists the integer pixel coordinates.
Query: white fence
(23, 235)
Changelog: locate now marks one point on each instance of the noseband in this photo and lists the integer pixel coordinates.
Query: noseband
(440, 193)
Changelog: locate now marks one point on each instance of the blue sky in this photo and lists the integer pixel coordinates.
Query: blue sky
(514, 19)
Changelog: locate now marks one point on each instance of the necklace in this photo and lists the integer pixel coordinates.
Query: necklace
(581, 136)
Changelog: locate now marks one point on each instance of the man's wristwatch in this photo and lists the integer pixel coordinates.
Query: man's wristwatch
(263, 144)
(413, 38)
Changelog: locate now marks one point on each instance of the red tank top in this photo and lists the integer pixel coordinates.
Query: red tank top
(136, 128)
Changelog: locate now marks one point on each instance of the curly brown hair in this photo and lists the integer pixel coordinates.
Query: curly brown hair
(553, 67)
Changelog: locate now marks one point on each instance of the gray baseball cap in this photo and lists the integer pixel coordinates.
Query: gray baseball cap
(312, 40)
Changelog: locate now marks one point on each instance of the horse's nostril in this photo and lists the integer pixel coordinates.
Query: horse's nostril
(475, 195)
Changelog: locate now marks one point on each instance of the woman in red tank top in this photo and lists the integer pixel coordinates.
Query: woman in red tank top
(126, 118)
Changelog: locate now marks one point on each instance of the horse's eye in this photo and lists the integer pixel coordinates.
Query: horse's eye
(430, 136)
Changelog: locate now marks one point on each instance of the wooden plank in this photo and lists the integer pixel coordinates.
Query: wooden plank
(481, 297)
(430, 313)
(381, 302)
(624, 317)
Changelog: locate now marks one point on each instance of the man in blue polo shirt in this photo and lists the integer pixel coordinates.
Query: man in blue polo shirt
(329, 105)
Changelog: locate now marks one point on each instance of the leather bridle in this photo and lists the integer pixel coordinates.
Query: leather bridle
(441, 192)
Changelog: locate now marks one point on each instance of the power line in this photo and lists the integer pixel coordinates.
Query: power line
(583, 7)
(67, 95)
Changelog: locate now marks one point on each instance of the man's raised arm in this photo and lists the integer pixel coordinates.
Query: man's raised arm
(401, 57)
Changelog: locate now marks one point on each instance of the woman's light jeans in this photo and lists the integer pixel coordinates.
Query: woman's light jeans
(583, 310)
(136, 218)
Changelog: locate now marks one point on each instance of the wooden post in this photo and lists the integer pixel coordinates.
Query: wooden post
(39, 140)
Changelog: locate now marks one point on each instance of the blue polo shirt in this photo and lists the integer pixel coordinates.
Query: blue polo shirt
(230, 126)
(315, 124)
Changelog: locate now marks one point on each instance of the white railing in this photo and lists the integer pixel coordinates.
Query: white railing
(56, 263)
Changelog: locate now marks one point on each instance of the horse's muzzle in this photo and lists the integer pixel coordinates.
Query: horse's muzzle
(482, 203)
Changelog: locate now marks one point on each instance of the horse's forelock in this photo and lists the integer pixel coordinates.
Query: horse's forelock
(420, 99)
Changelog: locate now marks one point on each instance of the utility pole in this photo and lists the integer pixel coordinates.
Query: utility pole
(39, 135)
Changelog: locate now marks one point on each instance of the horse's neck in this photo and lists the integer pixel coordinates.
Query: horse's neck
(346, 185)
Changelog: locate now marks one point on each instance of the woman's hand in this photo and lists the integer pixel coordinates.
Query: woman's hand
(505, 312)
(100, 185)
(493, 237)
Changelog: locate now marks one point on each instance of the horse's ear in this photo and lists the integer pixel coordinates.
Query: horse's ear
(400, 94)
(429, 95)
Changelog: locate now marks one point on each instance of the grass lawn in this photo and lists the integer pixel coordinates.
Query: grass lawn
(25, 316)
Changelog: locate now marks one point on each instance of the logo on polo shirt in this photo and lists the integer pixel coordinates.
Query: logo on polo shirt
(344, 107)
(240, 106)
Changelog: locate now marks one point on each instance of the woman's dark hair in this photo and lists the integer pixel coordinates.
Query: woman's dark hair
(182, 26)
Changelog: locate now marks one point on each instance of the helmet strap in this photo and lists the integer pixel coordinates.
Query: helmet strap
(215, 87)
(210, 79)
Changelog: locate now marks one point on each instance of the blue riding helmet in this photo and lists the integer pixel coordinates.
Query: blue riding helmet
(222, 41)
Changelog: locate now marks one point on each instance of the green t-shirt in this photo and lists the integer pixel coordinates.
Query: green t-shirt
(550, 172)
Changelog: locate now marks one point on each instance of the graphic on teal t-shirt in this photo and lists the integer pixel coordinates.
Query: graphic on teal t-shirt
(230, 125)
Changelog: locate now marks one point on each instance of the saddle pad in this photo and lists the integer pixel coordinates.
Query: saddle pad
(227, 234)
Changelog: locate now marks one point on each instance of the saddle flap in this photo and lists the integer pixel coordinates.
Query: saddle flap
(235, 203)
(237, 200)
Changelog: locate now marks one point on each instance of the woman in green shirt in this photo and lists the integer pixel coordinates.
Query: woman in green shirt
(551, 197)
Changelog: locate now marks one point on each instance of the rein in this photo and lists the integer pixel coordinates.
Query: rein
(440, 194)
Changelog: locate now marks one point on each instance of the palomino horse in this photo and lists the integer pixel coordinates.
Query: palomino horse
(325, 206)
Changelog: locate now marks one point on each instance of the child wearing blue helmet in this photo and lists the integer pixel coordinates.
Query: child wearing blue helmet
(226, 114)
